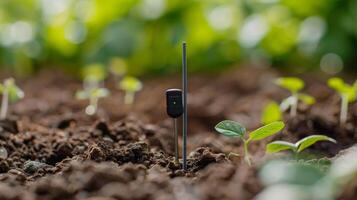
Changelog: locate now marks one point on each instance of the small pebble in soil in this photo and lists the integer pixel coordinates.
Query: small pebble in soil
(31, 167)
(3, 153)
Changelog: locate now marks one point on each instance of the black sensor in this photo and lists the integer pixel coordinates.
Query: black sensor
(174, 103)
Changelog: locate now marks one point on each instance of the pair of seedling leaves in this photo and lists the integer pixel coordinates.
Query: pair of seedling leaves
(273, 112)
(234, 129)
(11, 93)
(95, 74)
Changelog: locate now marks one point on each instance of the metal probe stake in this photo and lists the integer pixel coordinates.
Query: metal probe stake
(184, 88)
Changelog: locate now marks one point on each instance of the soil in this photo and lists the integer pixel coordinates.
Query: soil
(56, 152)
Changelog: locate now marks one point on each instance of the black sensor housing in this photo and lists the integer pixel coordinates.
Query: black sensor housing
(174, 103)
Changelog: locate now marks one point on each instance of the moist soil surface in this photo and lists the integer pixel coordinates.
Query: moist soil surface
(55, 151)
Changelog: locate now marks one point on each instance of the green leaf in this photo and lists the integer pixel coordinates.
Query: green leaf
(1, 88)
(345, 90)
(118, 66)
(100, 92)
(266, 130)
(230, 128)
(291, 83)
(94, 72)
(310, 140)
(82, 94)
(15, 94)
(271, 113)
(338, 84)
(130, 84)
(278, 172)
(307, 99)
(277, 146)
(93, 93)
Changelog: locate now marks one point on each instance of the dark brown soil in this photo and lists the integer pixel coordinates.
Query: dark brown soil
(57, 152)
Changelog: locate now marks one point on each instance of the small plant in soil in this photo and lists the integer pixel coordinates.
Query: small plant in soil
(93, 95)
(294, 85)
(10, 93)
(235, 129)
(94, 76)
(347, 92)
(299, 146)
(130, 85)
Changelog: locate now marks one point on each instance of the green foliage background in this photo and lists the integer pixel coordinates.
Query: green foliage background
(148, 33)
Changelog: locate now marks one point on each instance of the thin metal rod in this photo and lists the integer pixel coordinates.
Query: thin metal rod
(176, 141)
(184, 87)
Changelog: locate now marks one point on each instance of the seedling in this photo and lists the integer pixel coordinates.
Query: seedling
(271, 113)
(130, 85)
(299, 146)
(93, 95)
(235, 129)
(348, 94)
(10, 94)
(294, 85)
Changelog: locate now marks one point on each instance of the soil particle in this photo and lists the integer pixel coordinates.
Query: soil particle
(202, 157)
(3, 153)
(66, 123)
(137, 153)
(4, 166)
(8, 125)
(96, 153)
(101, 129)
(31, 167)
(7, 193)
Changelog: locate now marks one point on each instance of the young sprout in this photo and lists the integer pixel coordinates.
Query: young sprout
(294, 85)
(299, 146)
(93, 75)
(118, 67)
(271, 113)
(234, 129)
(10, 94)
(130, 85)
(347, 92)
(93, 95)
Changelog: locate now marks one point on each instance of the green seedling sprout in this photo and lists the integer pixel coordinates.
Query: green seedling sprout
(118, 67)
(299, 146)
(347, 92)
(235, 129)
(294, 85)
(271, 113)
(130, 85)
(93, 95)
(10, 94)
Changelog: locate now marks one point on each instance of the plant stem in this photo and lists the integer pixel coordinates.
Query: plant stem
(4, 104)
(294, 106)
(296, 156)
(344, 109)
(92, 108)
(246, 153)
(129, 98)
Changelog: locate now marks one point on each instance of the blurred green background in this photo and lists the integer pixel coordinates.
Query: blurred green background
(299, 35)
